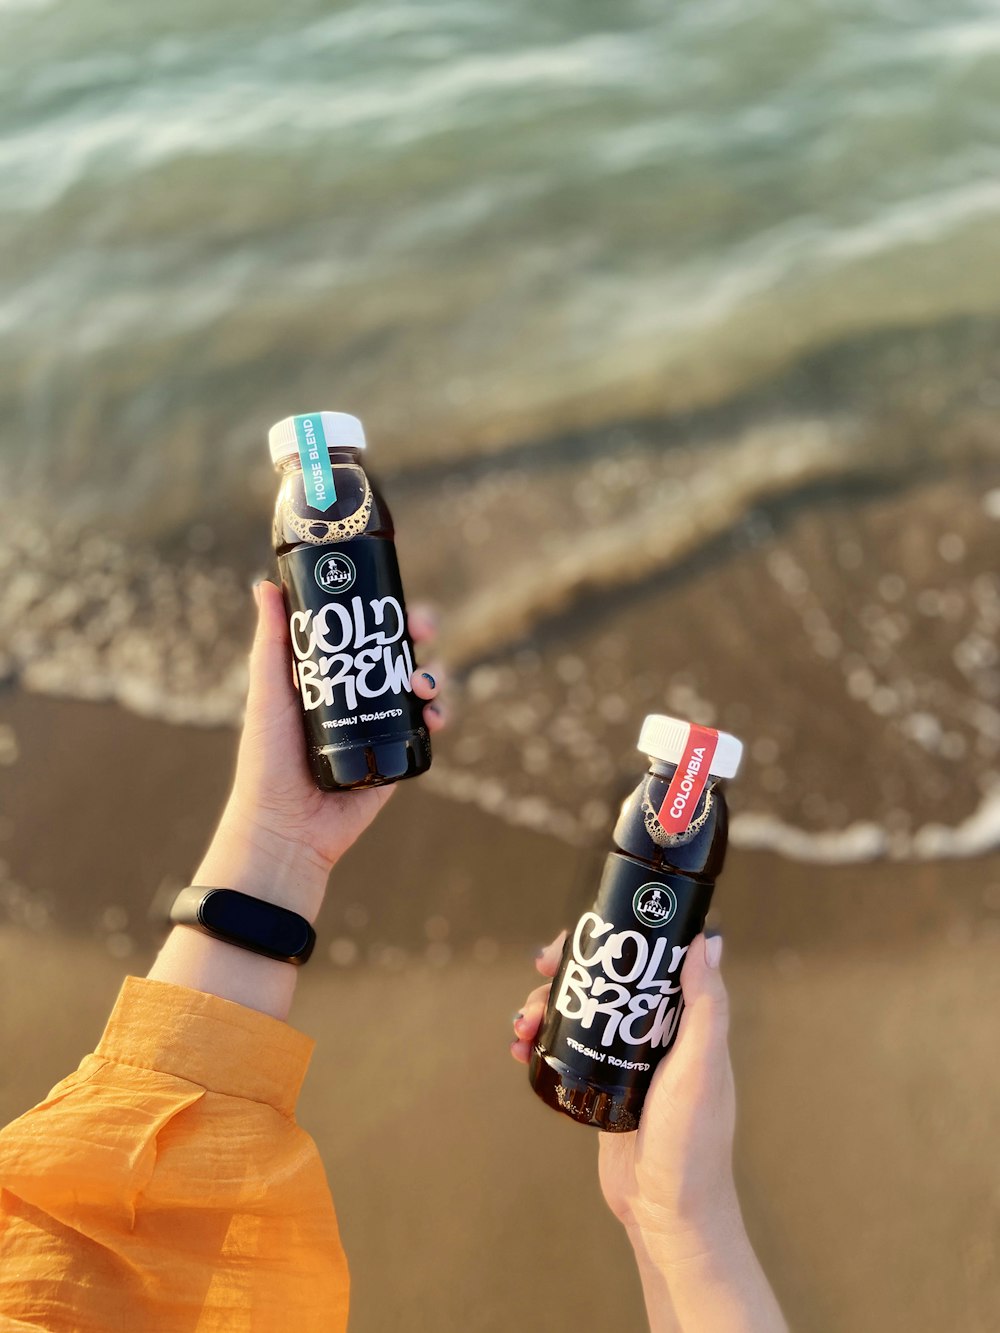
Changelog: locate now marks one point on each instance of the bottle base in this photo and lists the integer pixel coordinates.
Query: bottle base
(615, 1110)
(373, 764)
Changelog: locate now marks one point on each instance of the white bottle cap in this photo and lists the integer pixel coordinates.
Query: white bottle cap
(666, 738)
(339, 429)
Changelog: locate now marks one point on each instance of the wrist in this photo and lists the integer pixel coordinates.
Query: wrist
(666, 1238)
(254, 859)
(706, 1275)
(199, 962)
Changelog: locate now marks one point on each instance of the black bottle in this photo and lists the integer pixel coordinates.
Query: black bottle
(616, 1003)
(353, 656)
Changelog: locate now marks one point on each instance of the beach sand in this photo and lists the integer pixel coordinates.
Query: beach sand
(864, 1002)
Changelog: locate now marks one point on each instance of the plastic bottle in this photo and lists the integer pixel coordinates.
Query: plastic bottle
(334, 540)
(616, 1003)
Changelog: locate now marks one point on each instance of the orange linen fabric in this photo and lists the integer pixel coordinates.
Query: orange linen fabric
(166, 1186)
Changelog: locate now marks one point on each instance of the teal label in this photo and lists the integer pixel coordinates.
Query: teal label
(321, 493)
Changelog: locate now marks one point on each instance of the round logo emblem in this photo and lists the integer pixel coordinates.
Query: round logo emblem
(654, 904)
(335, 572)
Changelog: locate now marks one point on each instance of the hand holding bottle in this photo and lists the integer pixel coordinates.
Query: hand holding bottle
(279, 835)
(675, 1172)
(276, 820)
(671, 1184)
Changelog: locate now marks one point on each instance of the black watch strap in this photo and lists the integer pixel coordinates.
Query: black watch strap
(250, 923)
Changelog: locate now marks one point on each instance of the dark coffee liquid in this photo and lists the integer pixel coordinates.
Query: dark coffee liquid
(352, 652)
(616, 1002)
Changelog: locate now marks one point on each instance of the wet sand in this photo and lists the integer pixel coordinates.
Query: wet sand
(864, 1036)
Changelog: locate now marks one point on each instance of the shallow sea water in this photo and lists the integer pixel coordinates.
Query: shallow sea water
(675, 337)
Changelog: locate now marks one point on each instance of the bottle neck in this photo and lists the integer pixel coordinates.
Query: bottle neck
(292, 463)
(662, 768)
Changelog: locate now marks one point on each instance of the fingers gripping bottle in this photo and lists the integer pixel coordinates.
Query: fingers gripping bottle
(615, 1004)
(353, 656)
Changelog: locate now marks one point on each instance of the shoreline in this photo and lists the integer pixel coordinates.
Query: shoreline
(434, 881)
(849, 643)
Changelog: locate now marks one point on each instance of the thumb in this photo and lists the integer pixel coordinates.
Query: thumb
(706, 1003)
(271, 686)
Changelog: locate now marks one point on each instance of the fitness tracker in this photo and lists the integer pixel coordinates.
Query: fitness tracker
(250, 923)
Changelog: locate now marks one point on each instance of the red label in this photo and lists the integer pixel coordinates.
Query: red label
(688, 783)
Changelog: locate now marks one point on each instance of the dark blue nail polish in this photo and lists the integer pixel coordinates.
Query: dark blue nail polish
(429, 679)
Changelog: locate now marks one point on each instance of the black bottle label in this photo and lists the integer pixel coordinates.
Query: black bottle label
(616, 1001)
(353, 656)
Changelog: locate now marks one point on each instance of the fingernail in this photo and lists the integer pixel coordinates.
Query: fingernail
(713, 950)
(556, 944)
(432, 708)
(256, 591)
(429, 679)
(517, 1017)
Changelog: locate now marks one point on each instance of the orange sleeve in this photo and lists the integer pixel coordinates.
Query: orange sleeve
(166, 1185)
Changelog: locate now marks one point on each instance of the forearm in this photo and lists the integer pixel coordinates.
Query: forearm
(706, 1281)
(277, 871)
(655, 1289)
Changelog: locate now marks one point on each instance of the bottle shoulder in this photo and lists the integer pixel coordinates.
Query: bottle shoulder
(699, 851)
(359, 510)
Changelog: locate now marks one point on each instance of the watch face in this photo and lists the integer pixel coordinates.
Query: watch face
(244, 918)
